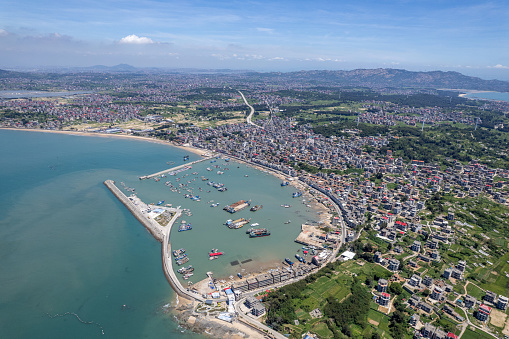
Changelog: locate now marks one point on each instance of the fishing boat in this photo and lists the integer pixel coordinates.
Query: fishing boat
(259, 232)
(284, 183)
(256, 208)
(239, 275)
(297, 194)
(238, 223)
(178, 252)
(215, 253)
(183, 261)
(287, 222)
(288, 261)
(160, 202)
(222, 189)
(186, 157)
(185, 227)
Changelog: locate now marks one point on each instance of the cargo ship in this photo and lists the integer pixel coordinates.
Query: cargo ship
(259, 232)
(237, 206)
(297, 194)
(256, 208)
(238, 223)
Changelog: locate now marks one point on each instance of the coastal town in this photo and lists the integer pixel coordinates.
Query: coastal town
(427, 240)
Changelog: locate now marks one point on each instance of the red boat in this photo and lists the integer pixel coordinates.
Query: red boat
(215, 254)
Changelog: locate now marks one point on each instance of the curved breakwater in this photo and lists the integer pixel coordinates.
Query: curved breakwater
(162, 234)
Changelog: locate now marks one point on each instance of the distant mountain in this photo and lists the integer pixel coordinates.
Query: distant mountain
(387, 77)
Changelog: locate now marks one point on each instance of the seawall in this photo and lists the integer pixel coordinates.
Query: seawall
(162, 235)
(135, 211)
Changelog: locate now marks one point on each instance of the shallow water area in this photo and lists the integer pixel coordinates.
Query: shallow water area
(75, 262)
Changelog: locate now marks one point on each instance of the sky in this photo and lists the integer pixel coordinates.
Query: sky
(471, 37)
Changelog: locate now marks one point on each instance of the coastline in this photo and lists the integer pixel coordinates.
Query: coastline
(122, 136)
(207, 324)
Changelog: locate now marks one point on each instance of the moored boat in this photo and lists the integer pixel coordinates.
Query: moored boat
(256, 208)
(259, 232)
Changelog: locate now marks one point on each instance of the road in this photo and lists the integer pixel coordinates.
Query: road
(250, 116)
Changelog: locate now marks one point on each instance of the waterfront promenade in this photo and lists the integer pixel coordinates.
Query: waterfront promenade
(162, 233)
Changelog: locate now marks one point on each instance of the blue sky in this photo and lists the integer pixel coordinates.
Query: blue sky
(471, 37)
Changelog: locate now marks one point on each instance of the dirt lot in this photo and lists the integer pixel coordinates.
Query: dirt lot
(498, 318)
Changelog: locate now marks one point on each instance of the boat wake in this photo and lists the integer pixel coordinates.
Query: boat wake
(77, 317)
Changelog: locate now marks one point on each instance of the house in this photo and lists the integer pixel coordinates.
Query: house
(427, 330)
(416, 246)
(382, 285)
(384, 299)
(469, 301)
(490, 296)
(393, 265)
(437, 293)
(483, 312)
(502, 302)
(415, 280)
(427, 281)
(258, 309)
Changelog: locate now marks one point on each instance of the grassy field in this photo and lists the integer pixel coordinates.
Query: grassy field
(336, 285)
(475, 291)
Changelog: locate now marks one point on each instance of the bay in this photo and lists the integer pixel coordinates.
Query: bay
(501, 96)
(75, 263)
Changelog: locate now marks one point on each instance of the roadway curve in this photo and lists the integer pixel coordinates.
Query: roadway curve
(250, 116)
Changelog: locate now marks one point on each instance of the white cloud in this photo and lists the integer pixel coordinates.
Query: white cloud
(501, 66)
(134, 39)
(3, 32)
(265, 30)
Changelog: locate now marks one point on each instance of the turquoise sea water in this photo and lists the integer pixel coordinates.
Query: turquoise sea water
(68, 246)
(503, 96)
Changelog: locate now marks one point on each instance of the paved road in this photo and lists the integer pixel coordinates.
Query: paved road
(250, 114)
(255, 323)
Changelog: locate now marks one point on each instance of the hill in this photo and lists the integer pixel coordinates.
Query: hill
(387, 77)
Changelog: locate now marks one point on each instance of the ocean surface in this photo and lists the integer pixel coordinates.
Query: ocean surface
(38, 94)
(502, 96)
(76, 264)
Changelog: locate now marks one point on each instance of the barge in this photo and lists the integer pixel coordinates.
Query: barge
(237, 206)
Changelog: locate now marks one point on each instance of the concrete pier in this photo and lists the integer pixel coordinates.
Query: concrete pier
(174, 168)
(161, 233)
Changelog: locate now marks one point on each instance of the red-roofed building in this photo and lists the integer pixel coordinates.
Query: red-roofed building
(384, 299)
(483, 312)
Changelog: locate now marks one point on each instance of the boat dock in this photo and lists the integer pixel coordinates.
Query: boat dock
(161, 232)
(166, 171)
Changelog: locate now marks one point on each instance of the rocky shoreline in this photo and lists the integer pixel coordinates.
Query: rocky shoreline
(205, 324)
